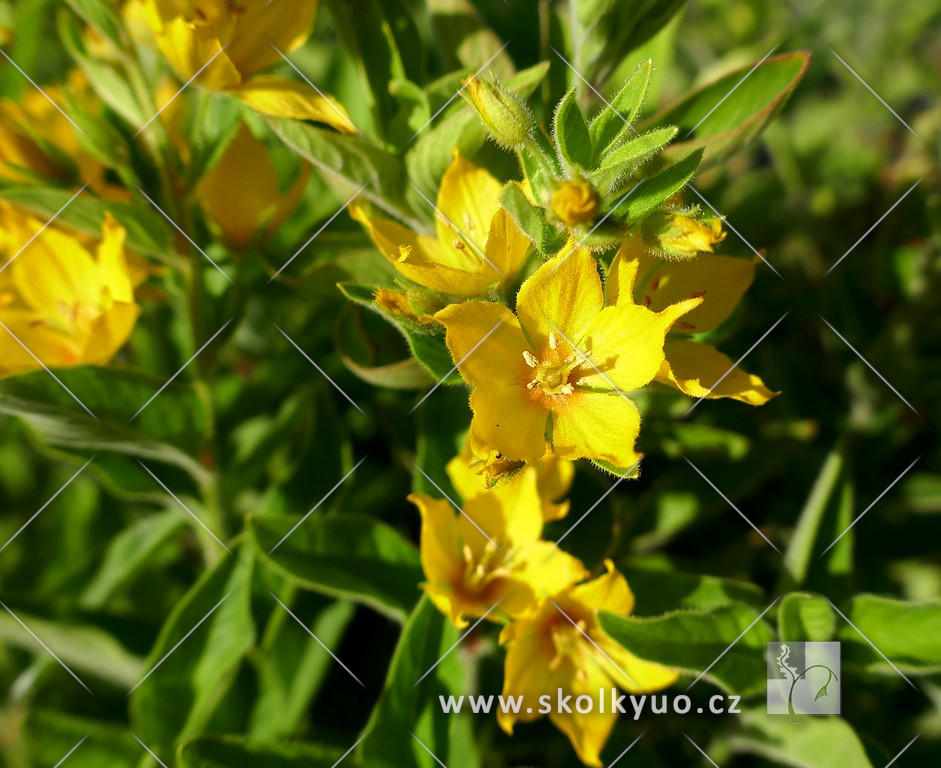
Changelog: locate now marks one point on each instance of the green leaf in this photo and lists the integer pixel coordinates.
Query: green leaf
(906, 632)
(129, 553)
(238, 752)
(465, 41)
(178, 697)
(693, 640)
(101, 16)
(655, 190)
(292, 665)
(620, 163)
(352, 556)
(530, 218)
(407, 705)
(171, 429)
(803, 616)
(570, 132)
(83, 648)
(354, 160)
(442, 426)
(659, 590)
(51, 735)
(609, 125)
(739, 119)
(817, 742)
(145, 233)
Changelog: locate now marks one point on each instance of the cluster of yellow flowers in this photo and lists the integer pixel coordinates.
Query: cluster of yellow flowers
(550, 371)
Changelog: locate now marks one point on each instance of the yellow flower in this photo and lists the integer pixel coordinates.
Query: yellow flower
(558, 371)
(67, 306)
(547, 652)
(36, 139)
(248, 213)
(490, 554)
(692, 367)
(225, 44)
(575, 202)
(476, 245)
(471, 476)
(684, 236)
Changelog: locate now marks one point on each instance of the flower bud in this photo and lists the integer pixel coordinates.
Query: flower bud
(682, 235)
(509, 120)
(575, 202)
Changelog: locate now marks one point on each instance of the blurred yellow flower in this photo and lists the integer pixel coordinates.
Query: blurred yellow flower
(560, 645)
(558, 370)
(471, 477)
(225, 44)
(36, 139)
(490, 554)
(240, 193)
(67, 306)
(696, 369)
(684, 236)
(477, 245)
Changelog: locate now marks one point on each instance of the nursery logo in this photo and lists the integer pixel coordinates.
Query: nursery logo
(803, 678)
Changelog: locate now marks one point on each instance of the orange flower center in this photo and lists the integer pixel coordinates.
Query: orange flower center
(554, 371)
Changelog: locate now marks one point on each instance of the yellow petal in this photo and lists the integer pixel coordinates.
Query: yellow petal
(549, 569)
(112, 264)
(507, 247)
(53, 346)
(262, 25)
(507, 419)
(597, 425)
(55, 275)
(587, 732)
(720, 280)
(608, 592)
(280, 97)
(440, 539)
(486, 342)
(563, 296)
(529, 653)
(109, 332)
(700, 370)
(623, 274)
(554, 478)
(468, 197)
(625, 345)
(633, 674)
